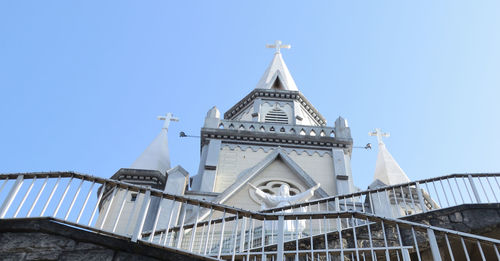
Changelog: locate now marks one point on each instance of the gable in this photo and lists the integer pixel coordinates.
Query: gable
(276, 165)
(276, 171)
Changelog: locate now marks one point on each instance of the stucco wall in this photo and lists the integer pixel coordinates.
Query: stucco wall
(232, 162)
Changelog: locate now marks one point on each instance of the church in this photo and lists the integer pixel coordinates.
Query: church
(274, 136)
(274, 183)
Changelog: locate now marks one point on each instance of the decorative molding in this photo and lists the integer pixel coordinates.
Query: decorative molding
(274, 139)
(266, 149)
(267, 127)
(281, 104)
(276, 94)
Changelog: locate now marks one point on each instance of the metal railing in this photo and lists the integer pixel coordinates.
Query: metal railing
(205, 228)
(410, 198)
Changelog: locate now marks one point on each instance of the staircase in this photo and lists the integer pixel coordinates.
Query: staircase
(375, 224)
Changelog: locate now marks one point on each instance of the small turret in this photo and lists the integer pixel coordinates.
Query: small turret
(342, 130)
(212, 119)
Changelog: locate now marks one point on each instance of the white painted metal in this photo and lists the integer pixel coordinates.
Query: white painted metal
(222, 231)
(10, 197)
(108, 206)
(137, 234)
(117, 218)
(474, 189)
(25, 196)
(62, 198)
(450, 251)
(74, 199)
(42, 188)
(465, 248)
(85, 202)
(103, 187)
(434, 245)
(50, 196)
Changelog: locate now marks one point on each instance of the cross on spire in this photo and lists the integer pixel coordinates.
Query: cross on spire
(379, 134)
(167, 118)
(278, 45)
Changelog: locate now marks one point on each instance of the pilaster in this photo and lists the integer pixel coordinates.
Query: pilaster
(210, 166)
(342, 172)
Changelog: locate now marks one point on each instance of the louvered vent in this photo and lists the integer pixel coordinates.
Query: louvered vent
(276, 115)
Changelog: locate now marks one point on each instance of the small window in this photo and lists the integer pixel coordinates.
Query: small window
(133, 197)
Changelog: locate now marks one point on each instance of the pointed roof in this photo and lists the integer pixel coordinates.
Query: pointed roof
(387, 170)
(277, 76)
(156, 156)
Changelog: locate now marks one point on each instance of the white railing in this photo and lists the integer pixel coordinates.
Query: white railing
(209, 229)
(411, 198)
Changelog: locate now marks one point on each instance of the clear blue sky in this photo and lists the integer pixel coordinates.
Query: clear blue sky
(81, 82)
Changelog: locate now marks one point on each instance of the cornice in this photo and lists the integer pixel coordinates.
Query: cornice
(276, 94)
(274, 139)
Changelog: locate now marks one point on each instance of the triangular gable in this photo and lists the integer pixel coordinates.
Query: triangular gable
(247, 175)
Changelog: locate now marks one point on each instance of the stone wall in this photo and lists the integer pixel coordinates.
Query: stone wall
(46, 239)
(479, 219)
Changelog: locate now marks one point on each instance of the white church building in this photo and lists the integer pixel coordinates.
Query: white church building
(274, 183)
(272, 137)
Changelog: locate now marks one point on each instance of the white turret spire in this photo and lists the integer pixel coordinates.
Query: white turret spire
(387, 170)
(156, 156)
(277, 75)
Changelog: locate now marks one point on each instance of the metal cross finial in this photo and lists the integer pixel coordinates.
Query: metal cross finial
(278, 45)
(167, 118)
(379, 135)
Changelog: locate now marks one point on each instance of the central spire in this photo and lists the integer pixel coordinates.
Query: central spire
(277, 75)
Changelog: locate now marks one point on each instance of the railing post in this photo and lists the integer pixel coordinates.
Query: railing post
(281, 237)
(420, 197)
(474, 190)
(434, 246)
(142, 217)
(10, 197)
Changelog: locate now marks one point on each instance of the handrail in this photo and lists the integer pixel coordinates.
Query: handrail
(221, 231)
(132, 187)
(380, 189)
(337, 215)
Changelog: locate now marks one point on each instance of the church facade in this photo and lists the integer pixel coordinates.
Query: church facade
(274, 183)
(272, 136)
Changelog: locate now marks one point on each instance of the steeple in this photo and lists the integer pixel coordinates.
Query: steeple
(156, 156)
(277, 75)
(387, 170)
(276, 99)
